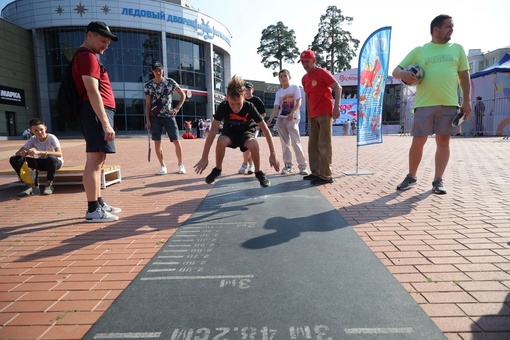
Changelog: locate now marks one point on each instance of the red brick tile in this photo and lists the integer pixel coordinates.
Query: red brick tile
(22, 332)
(34, 319)
(67, 332)
(28, 306)
(494, 323)
(483, 285)
(436, 287)
(480, 309)
(491, 296)
(455, 324)
(449, 297)
(442, 309)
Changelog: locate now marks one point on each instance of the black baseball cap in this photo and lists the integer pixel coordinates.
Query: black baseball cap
(248, 84)
(101, 28)
(156, 65)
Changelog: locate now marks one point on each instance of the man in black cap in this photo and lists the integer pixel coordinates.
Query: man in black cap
(479, 113)
(96, 116)
(247, 167)
(160, 112)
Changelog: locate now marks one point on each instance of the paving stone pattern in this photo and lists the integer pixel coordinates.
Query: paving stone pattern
(451, 252)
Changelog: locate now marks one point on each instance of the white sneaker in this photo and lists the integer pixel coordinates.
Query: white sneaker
(99, 215)
(242, 169)
(110, 209)
(251, 169)
(162, 171)
(303, 172)
(182, 169)
(287, 169)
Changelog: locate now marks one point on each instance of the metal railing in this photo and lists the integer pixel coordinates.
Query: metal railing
(495, 122)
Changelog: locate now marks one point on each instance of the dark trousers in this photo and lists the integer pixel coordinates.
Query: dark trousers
(49, 164)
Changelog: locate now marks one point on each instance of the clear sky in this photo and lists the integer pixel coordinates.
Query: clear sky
(478, 24)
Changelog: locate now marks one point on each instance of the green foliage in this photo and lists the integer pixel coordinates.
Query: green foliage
(278, 45)
(333, 46)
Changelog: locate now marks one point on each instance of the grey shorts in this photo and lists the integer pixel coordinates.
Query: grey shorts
(170, 124)
(434, 120)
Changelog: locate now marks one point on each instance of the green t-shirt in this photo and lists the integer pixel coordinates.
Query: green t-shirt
(441, 64)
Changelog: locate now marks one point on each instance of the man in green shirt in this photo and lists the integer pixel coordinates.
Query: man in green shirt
(445, 67)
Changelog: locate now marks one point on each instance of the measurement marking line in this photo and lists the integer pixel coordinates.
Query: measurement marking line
(163, 263)
(203, 277)
(170, 256)
(161, 270)
(175, 251)
(178, 245)
(405, 330)
(139, 335)
(193, 224)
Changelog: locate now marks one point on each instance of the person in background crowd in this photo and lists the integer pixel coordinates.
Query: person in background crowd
(479, 114)
(286, 104)
(247, 167)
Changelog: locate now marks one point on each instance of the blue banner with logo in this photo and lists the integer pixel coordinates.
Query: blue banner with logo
(373, 66)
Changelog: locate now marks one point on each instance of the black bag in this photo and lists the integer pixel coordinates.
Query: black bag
(68, 100)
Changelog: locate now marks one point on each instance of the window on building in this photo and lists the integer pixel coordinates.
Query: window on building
(186, 62)
(218, 71)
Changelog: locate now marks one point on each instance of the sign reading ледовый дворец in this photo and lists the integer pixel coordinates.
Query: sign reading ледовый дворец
(12, 96)
(203, 27)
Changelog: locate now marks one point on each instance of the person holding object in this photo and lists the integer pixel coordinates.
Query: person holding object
(96, 117)
(159, 113)
(318, 84)
(445, 66)
(240, 120)
(42, 152)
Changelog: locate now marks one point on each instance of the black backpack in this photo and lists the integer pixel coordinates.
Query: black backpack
(68, 100)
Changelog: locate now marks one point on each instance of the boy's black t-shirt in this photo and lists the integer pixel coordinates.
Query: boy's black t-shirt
(246, 120)
(259, 105)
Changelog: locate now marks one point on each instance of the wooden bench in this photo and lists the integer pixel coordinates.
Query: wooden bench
(72, 175)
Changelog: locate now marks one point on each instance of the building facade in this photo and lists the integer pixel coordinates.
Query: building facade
(193, 47)
(18, 91)
(479, 61)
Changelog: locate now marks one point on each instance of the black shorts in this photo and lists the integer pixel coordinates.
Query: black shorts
(238, 140)
(93, 130)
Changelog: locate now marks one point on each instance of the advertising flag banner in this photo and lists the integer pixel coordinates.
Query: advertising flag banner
(372, 76)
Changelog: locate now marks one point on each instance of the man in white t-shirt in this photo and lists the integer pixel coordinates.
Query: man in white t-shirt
(286, 105)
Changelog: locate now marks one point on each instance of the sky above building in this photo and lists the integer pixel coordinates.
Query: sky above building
(480, 25)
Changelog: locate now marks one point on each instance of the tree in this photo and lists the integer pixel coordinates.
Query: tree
(333, 46)
(278, 44)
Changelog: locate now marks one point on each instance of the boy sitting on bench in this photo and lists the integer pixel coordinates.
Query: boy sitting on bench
(42, 151)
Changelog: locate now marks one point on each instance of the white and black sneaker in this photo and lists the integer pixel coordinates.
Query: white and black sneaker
(407, 183)
(100, 215)
(110, 209)
(438, 187)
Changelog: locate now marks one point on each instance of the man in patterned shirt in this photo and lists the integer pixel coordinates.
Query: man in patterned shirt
(160, 113)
